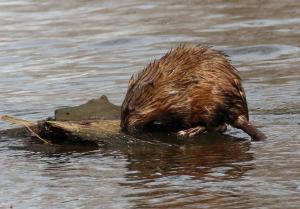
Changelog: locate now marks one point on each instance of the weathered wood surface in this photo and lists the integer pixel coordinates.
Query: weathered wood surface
(95, 122)
(95, 109)
(101, 132)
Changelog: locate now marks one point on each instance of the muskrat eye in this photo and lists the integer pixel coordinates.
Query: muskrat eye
(125, 110)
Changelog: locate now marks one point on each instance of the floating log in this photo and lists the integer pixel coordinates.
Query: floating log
(94, 123)
(98, 132)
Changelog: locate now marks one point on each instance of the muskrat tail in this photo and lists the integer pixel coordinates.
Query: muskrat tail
(243, 123)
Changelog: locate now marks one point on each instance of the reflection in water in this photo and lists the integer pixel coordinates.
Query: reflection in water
(185, 173)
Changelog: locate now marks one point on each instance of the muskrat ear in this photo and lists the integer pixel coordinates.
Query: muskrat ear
(149, 83)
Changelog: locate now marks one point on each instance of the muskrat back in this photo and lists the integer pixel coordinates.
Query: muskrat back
(192, 87)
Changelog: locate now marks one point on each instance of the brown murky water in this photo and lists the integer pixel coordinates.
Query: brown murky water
(59, 53)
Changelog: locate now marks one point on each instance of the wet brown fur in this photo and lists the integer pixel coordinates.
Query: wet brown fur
(189, 86)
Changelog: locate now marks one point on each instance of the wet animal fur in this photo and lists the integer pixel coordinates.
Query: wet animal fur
(189, 86)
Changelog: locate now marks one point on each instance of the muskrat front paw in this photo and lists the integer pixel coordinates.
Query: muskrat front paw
(191, 131)
(221, 128)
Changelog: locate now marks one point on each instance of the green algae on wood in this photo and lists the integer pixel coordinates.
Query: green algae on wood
(95, 109)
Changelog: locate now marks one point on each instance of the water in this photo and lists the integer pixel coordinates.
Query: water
(60, 53)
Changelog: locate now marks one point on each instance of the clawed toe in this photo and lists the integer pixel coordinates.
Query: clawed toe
(191, 131)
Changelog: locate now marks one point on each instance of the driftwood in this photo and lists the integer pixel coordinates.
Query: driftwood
(94, 123)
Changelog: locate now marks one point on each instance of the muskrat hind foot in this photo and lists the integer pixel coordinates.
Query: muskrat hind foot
(191, 131)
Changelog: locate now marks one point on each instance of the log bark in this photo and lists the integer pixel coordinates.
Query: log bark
(96, 132)
(93, 123)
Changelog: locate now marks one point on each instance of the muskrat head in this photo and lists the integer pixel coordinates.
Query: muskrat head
(132, 120)
(140, 105)
(138, 109)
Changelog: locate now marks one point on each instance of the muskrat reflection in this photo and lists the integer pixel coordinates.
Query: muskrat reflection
(186, 172)
(198, 158)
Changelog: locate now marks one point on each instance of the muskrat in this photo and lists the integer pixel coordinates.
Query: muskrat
(195, 88)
